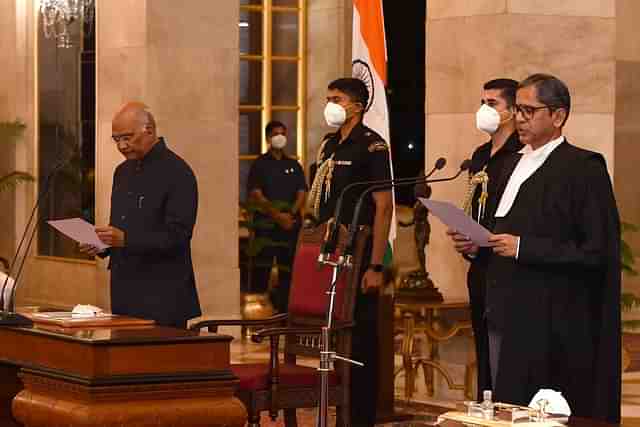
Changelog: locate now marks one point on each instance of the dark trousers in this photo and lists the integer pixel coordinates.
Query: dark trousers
(476, 282)
(283, 251)
(364, 380)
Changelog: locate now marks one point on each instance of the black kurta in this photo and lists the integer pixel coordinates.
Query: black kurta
(154, 201)
(557, 307)
(499, 168)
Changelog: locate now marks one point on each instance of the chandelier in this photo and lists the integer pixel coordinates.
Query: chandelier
(58, 15)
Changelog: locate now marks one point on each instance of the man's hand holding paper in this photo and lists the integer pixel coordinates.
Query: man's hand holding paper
(81, 231)
(463, 228)
(463, 244)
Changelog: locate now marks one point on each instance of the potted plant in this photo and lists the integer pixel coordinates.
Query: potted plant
(256, 305)
(10, 133)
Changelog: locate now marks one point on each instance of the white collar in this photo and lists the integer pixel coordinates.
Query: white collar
(543, 151)
(530, 162)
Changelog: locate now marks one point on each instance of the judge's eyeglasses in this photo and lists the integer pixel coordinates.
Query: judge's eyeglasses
(528, 111)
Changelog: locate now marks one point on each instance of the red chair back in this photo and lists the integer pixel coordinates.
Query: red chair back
(310, 282)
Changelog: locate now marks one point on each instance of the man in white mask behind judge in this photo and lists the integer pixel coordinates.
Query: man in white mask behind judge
(491, 166)
(277, 186)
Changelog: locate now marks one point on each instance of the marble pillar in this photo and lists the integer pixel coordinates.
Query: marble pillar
(328, 58)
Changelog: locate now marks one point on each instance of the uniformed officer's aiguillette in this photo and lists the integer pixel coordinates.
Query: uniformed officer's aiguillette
(154, 201)
(363, 156)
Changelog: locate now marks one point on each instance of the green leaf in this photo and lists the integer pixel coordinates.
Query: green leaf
(626, 253)
(13, 179)
(10, 131)
(628, 301)
(630, 325)
(627, 226)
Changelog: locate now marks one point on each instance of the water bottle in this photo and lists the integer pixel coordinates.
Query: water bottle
(487, 405)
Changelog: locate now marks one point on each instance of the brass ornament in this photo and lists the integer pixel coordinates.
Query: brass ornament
(479, 178)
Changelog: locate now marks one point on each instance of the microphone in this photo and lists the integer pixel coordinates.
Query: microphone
(9, 317)
(388, 185)
(331, 238)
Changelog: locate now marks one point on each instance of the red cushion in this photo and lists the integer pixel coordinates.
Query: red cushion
(309, 285)
(255, 376)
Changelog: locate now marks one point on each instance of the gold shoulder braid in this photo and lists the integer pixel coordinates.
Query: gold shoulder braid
(479, 178)
(324, 174)
(378, 146)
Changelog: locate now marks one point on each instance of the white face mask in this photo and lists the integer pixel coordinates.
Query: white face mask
(278, 141)
(335, 114)
(487, 119)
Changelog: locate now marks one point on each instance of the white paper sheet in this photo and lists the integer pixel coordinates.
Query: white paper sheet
(455, 218)
(79, 230)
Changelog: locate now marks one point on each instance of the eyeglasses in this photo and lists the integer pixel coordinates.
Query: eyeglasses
(528, 111)
(124, 137)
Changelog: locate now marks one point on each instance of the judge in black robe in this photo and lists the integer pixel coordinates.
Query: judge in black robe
(555, 304)
(154, 202)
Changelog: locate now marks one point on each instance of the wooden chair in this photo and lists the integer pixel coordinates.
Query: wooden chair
(283, 384)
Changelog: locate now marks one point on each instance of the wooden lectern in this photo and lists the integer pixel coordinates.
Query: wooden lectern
(116, 376)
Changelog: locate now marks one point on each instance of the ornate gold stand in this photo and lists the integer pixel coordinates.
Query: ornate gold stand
(424, 317)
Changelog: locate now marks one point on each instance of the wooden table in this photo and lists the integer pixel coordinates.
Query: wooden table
(133, 376)
(424, 316)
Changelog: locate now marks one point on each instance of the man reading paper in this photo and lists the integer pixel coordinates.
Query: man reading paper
(553, 281)
(153, 211)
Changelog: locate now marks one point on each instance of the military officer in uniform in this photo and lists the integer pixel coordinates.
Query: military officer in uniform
(491, 165)
(351, 154)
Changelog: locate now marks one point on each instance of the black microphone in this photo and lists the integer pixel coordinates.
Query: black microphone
(9, 317)
(331, 238)
(388, 185)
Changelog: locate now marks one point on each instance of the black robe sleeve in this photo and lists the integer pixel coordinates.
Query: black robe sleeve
(594, 214)
(598, 248)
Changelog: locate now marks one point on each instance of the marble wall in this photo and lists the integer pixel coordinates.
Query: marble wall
(470, 42)
(16, 40)
(627, 125)
(7, 113)
(183, 63)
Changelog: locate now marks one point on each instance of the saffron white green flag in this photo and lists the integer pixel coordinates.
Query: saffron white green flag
(369, 59)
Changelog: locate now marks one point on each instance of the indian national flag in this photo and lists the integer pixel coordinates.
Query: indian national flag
(369, 60)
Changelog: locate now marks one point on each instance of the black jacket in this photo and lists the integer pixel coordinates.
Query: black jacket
(154, 201)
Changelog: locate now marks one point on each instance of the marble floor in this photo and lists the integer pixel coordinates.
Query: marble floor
(423, 407)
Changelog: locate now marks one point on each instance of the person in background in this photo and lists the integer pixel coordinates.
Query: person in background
(277, 185)
(491, 165)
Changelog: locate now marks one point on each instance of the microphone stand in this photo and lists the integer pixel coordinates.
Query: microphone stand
(338, 264)
(329, 245)
(353, 227)
(9, 317)
(327, 356)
